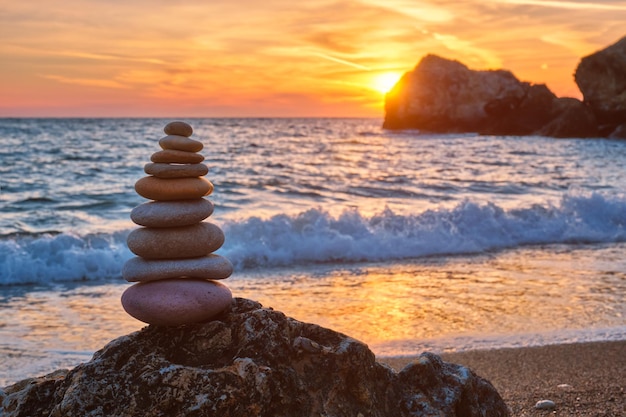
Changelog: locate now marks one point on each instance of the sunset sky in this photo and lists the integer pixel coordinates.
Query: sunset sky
(199, 58)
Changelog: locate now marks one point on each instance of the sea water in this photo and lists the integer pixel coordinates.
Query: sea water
(404, 240)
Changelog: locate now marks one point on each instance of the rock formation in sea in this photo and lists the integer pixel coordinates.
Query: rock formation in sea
(445, 96)
(250, 361)
(601, 78)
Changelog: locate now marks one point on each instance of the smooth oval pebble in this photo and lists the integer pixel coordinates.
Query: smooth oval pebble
(175, 242)
(175, 170)
(176, 301)
(178, 128)
(169, 156)
(163, 189)
(206, 267)
(180, 143)
(545, 405)
(171, 213)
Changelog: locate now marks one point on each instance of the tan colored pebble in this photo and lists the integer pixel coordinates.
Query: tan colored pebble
(162, 189)
(206, 267)
(169, 156)
(176, 170)
(180, 143)
(171, 213)
(175, 242)
(178, 128)
(174, 302)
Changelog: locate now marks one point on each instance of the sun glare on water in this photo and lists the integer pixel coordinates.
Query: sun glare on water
(384, 81)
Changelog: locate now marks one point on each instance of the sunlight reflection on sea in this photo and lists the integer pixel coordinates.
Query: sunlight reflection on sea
(520, 297)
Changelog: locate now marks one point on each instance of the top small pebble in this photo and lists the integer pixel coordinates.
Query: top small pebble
(178, 128)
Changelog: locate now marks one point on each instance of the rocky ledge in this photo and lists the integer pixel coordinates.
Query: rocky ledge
(445, 96)
(250, 361)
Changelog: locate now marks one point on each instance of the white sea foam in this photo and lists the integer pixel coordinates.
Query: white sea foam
(62, 257)
(315, 236)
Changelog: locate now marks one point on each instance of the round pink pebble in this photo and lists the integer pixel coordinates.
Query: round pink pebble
(173, 302)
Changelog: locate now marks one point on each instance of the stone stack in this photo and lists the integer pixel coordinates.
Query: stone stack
(175, 267)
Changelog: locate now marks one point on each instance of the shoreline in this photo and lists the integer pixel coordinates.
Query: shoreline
(582, 379)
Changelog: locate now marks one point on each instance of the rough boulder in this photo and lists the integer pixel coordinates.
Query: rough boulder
(445, 96)
(601, 78)
(442, 95)
(250, 361)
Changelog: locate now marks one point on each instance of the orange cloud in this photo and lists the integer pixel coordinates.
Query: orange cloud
(569, 4)
(278, 57)
(86, 81)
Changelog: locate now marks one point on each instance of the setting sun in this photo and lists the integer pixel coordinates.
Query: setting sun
(384, 81)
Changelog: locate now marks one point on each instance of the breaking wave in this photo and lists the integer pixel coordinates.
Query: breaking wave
(315, 236)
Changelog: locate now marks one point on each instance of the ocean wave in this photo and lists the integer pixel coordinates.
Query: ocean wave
(47, 258)
(316, 236)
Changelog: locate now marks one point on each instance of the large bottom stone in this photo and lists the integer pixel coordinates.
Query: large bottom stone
(175, 302)
(251, 361)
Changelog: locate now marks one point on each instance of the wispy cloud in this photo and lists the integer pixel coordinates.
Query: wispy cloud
(85, 81)
(341, 61)
(489, 58)
(574, 5)
(106, 57)
(421, 11)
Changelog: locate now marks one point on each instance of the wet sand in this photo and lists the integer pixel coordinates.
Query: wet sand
(583, 379)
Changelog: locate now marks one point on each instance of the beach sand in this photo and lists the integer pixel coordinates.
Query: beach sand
(594, 374)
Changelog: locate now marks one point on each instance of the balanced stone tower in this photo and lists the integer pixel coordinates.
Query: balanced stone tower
(175, 267)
